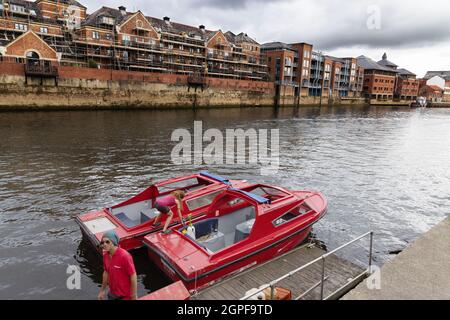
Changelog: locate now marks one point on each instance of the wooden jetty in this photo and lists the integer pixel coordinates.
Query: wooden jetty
(340, 276)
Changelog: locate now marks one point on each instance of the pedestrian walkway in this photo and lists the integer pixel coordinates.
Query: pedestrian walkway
(421, 271)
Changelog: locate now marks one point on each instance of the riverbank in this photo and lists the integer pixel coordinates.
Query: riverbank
(419, 272)
(78, 88)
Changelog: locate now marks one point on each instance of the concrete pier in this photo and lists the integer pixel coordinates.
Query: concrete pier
(421, 271)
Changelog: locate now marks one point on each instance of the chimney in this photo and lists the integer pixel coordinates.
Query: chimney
(123, 10)
(166, 19)
(202, 28)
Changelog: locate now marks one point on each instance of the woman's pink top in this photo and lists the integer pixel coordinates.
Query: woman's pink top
(166, 201)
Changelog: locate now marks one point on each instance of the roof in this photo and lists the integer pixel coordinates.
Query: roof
(369, 64)
(386, 63)
(442, 74)
(92, 19)
(404, 72)
(70, 2)
(276, 46)
(336, 59)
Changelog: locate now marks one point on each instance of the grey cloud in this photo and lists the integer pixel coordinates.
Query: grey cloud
(327, 24)
(232, 4)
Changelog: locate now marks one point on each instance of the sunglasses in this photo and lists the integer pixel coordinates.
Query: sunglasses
(105, 242)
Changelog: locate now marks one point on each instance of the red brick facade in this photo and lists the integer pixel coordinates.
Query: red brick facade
(30, 42)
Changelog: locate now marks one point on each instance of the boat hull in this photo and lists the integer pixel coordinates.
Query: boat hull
(232, 265)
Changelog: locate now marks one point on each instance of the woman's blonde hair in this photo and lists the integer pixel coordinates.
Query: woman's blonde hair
(179, 194)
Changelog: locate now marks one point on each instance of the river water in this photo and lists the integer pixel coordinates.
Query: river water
(381, 169)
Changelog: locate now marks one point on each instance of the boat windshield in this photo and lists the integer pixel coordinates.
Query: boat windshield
(268, 192)
(187, 185)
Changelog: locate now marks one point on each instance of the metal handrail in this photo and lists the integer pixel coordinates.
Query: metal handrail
(321, 258)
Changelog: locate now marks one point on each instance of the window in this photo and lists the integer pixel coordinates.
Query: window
(291, 215)
(18, 9)
(21, 27)
(108, 36)
(43, 30)
(108, 20)
(306, 54)
(32, 55)
(95, 35)
(202, 201)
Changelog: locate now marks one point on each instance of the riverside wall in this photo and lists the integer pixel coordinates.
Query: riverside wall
(85, 88)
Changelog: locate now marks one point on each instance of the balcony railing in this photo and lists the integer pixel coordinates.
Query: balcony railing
(196, 79)
(40, 68)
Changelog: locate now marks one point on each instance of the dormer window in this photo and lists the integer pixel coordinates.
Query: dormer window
(107, 20)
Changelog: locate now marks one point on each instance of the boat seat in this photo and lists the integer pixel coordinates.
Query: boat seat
(215, 242)
(243, 230)
(126, 220)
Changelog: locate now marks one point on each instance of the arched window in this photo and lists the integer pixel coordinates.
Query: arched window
(32, 55)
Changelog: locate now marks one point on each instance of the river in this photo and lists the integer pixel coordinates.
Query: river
(381, 169)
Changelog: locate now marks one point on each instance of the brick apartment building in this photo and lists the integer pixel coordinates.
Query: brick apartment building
(383, 80)
(61, 32)
(302, 72)
(406, 83)
(379, 81)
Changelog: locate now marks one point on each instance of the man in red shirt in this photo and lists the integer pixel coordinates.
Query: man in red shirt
(119, 271)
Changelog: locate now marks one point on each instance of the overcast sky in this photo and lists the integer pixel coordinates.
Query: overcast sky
(414, 34)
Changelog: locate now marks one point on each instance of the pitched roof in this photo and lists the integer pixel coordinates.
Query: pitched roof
(442, 74)
(70, 2)
(168, 26)
(92, 19)
(369, 64)
(276, 46)
(404, 72)
(243, 37)
(386, 63)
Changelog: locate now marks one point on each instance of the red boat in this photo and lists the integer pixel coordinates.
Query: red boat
(133, 219)
(242, 228)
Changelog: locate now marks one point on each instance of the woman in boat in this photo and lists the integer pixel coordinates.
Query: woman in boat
(163, 206)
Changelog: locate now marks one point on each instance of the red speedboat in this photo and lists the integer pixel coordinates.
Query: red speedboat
(241, 229)
(133, 219)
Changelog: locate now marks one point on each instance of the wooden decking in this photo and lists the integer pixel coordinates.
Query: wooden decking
(338, 271)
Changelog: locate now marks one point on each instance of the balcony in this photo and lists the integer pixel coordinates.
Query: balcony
(141, 45)
(196, 80)
(40, 68)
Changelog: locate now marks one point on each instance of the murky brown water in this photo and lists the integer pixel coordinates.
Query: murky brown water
(382, 169)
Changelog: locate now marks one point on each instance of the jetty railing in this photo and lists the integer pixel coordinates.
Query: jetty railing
(321, 283)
